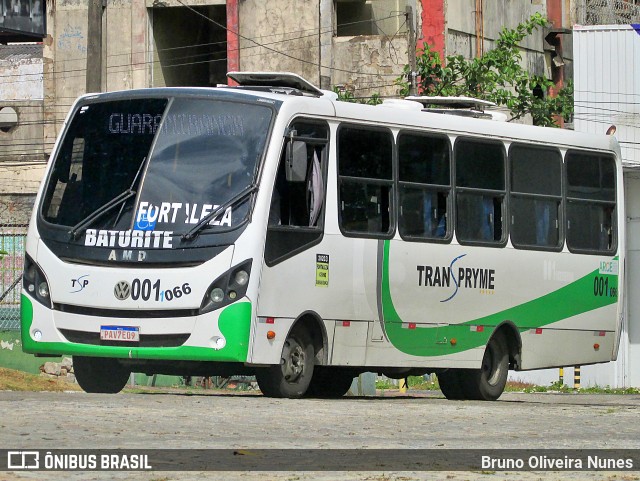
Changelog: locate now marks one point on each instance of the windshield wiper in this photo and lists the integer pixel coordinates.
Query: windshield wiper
(216, 212)
(78, 229)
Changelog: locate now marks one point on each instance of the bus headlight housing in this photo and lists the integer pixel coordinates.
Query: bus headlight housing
(35, 283)
(216, 295)
(229, 287)
(241, 277)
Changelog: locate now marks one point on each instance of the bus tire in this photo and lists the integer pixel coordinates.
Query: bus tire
(330, 382)
(290, 378)
(99, 374)
(451, 384)
(487, 383)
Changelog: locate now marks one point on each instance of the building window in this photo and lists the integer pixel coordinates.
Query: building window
(365, 158)
(480, 191)
(424, 185)
(591, 203)
(536, 196)
(371, 17)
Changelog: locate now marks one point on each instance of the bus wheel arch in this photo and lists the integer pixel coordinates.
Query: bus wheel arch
(311, 322)
(303, 349)
(514, 343)
(501, 353)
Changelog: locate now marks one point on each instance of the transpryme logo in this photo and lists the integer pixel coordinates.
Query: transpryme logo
(482, 279)
(23, 460)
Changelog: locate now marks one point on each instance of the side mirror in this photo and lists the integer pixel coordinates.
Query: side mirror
(296, 165)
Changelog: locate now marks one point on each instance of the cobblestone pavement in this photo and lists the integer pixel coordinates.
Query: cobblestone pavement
(202, 419)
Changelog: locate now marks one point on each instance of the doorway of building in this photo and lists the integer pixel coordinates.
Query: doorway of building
(189, 46)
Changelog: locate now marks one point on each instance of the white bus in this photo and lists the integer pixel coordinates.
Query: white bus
(271, 230)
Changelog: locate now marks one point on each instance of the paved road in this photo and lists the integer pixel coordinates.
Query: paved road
(233, 421)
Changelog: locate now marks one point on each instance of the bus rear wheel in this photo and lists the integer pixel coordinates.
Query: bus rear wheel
(100, 375)
(487, 383)
(330, 382)
(290, 378)
(450, 382)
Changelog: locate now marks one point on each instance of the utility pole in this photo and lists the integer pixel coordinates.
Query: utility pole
(412, 51)
(94, 46)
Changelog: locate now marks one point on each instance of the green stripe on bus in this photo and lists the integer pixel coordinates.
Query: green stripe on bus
(234, 323)
(571, 300)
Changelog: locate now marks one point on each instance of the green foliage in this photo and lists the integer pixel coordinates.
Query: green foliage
(345, 95)
(497, 76)
(2, 254)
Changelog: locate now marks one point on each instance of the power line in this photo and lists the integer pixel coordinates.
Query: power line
(142, 65)
(308, 62)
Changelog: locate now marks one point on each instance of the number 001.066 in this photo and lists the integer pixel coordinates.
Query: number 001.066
(143, 289)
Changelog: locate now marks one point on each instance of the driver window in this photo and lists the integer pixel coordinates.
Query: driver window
(296, 215)
(298, 194)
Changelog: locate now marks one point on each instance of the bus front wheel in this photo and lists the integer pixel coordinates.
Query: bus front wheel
(100, 375)
(487, 383)
(290, 378)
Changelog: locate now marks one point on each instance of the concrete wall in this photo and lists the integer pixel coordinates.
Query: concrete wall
(65, 61)
(461, 28)
(22, 150)
(21, 94)
(125, 45)
(369, 64)
(366, 64)
(288, 29)
(125, 54)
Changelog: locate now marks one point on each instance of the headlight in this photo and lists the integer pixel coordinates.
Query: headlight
(216, 295)
(241, 277)
(35, 283)
(229, 287)
(43, 290)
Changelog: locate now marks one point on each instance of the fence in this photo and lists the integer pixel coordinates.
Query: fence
(12, 241)
(606, 12)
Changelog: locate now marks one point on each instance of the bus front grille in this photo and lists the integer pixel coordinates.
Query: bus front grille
(125, 313)
(146, 340)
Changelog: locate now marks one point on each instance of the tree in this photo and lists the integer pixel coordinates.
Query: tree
(345, 95)
(496, 76)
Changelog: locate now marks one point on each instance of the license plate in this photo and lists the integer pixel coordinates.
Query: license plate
(120, 333)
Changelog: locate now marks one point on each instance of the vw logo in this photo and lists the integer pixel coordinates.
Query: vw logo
(122, 290)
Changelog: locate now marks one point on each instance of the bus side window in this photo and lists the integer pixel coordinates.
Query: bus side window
(365, 181)
(591, 202)
(480, 191)
(425, 185)
(535, 197)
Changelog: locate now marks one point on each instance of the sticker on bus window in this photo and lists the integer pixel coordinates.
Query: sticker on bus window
(322, 270)
(144, 223)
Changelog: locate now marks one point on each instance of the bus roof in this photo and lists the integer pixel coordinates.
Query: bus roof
(386, 114)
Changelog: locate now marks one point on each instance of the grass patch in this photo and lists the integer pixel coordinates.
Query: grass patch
(431, 384)
(12, 380)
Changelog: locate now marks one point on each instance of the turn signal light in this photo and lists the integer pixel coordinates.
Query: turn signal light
(453, 341)
(271, 335)
(596, 346)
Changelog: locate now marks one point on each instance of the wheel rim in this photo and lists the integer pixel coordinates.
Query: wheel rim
(491, 365)
(293, 361)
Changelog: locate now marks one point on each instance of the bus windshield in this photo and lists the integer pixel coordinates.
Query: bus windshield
(156, 164)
